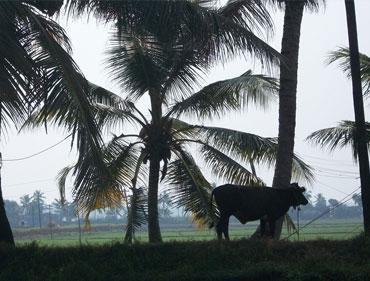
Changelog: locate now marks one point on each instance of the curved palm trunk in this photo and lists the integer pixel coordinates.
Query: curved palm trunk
(287, 97)
(6, 235)
(359, 113)
(153, 218)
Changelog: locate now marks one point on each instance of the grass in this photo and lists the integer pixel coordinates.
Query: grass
(331, 229)
(196, 260)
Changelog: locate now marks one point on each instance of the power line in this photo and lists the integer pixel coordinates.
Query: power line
(341, 202)
(333, 188)
(30, 182)
(335, 170)
(343, 162)
(38, 153)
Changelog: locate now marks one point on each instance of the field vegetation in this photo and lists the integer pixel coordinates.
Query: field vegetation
(332, 229)
(195, 260)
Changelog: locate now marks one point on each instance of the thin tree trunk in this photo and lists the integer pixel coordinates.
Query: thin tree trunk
(39, 210)
(6, 235)
(153, 218)
(287, 97)
(359, 113)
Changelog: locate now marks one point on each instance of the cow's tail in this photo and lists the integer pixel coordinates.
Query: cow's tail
(212, 224)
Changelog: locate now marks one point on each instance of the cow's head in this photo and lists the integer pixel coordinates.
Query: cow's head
(298, 197)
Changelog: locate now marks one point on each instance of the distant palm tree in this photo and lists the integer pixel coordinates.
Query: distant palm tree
(59, 207)
(38, 201)
(26, 201)
(35, 69)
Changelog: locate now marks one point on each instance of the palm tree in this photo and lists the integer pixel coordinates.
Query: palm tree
(167, 74)
(35, 69)
(288, 91)
(214, 32)
(38, 201)
(26, 201)
(356, 133)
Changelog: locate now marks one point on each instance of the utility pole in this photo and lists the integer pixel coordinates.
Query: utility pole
(363, 157)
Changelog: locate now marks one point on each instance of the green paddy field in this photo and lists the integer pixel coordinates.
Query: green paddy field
(102, 234)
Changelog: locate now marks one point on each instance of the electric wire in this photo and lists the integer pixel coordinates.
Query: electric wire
(37, 153)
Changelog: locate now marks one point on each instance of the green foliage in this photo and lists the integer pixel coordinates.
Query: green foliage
(339, 137)
(342, 57)
(236, 260)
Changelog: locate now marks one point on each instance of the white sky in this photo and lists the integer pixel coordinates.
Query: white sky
(324, 98)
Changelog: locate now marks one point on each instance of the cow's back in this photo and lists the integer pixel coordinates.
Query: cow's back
(247, 203)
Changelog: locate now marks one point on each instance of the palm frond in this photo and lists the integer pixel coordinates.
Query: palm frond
(339, 137)
(61, 182)
(189, 189)
(227, 168)
(231, 94)
(105, 190)
(342, 57)
(137, 213)
(246, 146)
(251, 14)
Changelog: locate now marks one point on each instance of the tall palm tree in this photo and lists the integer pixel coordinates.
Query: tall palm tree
(167, 74)
(355, 134)
(214, 32)
(36, 68)
(288, 91)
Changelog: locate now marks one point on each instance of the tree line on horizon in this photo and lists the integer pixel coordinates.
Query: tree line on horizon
(34, 212)
(161, 50)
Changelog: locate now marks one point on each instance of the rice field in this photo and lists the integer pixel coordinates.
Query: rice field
(69, 236)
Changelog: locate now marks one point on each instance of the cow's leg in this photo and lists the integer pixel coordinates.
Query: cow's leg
(226, 228)
(272, 227)
(262, 227)
(221, 225)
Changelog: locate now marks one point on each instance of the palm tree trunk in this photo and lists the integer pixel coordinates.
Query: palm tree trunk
(153, 218)
(287, 96)
(359, 113)
(6, 235)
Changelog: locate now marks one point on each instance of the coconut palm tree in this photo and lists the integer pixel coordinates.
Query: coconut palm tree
(36, 68)
(288, 91)
(39, 203)
(214, 32)
(167, 74)
(355, 134)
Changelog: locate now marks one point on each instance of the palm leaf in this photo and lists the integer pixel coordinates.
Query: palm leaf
(137, 213)
(342, 57)
(227, 168)
(246, 146)
(231, 94)
(189, 189)
(339, 137)
(61, 182)
(106, 190)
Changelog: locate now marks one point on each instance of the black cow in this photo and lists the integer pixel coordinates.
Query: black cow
(249, 203)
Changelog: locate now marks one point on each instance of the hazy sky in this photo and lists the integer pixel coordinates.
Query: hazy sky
(324, 98)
